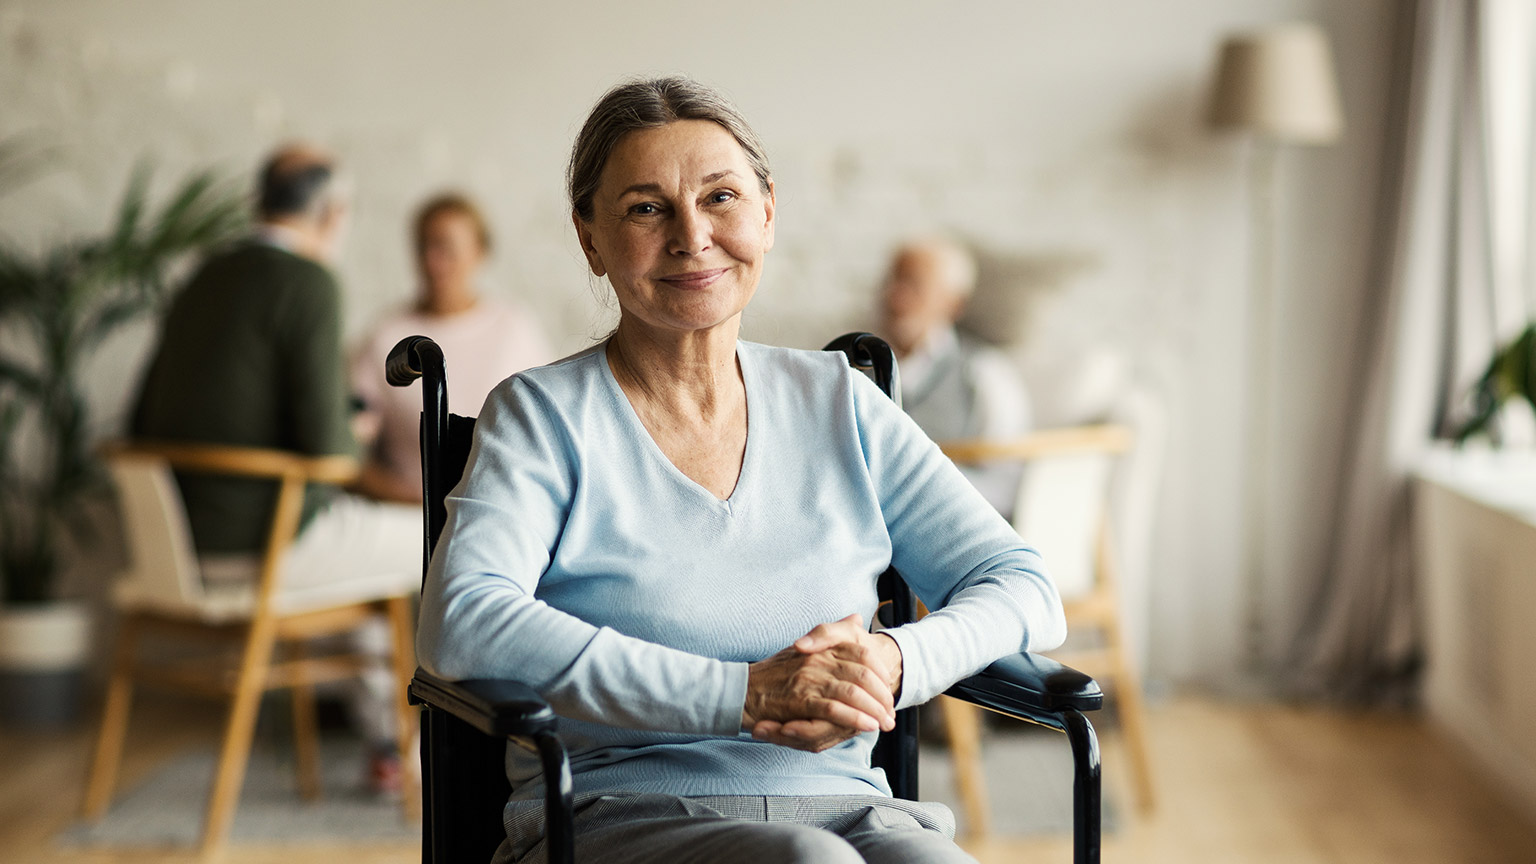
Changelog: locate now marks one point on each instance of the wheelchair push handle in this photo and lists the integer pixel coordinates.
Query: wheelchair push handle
(419, 357)
(412, 358)
(868, 351)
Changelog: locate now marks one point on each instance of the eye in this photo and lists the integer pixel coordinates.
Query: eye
(721, 196)
(644, 209)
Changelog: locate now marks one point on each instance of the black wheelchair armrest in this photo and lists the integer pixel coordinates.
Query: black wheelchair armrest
(501, 710)
(1030, 685)
(1038, 689)
(496, 708)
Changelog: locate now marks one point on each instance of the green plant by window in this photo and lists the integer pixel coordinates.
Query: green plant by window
(1511, 374)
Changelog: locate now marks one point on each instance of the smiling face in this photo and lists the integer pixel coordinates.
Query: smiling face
(680, 226)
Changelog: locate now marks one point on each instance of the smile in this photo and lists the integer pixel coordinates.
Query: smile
(694, 280)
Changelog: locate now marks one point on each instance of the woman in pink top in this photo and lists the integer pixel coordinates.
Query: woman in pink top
(487, 341)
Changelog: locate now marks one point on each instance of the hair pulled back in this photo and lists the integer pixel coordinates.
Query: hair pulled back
(455, 204)
(647, 104)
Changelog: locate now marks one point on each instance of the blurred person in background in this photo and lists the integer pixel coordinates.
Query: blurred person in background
(488, 339)
(250, 355)
(954, 385)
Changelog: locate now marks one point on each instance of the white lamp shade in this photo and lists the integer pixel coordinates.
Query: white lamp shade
(1278, 84)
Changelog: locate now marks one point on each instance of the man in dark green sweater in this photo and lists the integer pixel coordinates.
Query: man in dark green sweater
(251, 355)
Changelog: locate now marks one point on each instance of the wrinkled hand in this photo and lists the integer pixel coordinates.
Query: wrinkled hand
(835, 682)
(850, 638)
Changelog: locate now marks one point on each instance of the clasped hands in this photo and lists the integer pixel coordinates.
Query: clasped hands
(833, 683)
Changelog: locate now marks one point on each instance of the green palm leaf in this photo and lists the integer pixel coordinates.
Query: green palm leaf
(66, 301)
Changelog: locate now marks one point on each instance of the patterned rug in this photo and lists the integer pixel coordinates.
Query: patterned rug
(167, 808)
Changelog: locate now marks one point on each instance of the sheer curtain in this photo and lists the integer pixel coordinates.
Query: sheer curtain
(1450, 279)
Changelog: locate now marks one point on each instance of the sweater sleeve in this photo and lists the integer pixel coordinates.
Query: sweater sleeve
(481, 618)
(988, 591)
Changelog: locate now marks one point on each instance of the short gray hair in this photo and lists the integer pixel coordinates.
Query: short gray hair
(955, 260)
(299, 180)
(648, 104)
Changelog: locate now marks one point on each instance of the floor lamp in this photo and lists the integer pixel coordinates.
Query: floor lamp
(1277, 87)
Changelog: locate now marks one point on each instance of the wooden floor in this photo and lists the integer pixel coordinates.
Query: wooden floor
(1239, 783)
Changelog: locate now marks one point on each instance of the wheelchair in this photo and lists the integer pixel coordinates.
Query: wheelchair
(466, 725)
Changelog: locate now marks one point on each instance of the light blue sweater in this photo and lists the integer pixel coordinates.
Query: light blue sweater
(579, 560)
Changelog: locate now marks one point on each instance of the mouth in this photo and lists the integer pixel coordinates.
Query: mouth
(695, 279)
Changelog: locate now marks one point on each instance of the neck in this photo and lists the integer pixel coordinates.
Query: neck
(694, 371)
(448, 301)
(297, 236)
(905, 344)
(902, 341)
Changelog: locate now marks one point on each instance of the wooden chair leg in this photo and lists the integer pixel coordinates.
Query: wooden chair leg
(403, 656)
(962, 721)
(1133, 719)
(236, 750)
(114, 723)
(306, 735)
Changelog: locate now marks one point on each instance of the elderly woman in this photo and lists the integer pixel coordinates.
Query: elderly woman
(675, 536)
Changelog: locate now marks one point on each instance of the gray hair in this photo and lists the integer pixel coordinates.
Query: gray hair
(955, 260)
(648, 104)
(297, 180)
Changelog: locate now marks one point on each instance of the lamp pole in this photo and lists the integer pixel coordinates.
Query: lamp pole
(1278, 87)
(1262, 321)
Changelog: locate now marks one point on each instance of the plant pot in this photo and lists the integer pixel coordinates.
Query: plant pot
(44, 651)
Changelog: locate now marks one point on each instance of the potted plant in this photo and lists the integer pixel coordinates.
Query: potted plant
(1511, 374)
(56, 307)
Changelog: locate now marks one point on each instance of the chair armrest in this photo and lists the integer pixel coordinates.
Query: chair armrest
(497, 708)
(1104, 438)
(1030, 685)
(241, 461)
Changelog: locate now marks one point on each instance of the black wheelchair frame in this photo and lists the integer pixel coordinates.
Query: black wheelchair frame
(466, 725)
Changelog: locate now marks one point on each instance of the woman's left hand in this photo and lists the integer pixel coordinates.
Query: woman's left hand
(849, 639)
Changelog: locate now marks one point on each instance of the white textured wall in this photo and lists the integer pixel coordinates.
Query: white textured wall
(1062, 138)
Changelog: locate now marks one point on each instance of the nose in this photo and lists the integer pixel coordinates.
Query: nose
(691, 232)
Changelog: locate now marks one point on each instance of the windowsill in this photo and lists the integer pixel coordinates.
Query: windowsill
(1503, 480)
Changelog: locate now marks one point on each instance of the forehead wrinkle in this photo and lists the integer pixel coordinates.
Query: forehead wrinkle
(658, 151)
(642, 187)
(655, 188)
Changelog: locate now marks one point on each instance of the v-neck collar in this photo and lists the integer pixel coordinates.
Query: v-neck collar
(637, 428)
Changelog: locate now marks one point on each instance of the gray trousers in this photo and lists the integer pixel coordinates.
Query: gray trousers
(726, 829)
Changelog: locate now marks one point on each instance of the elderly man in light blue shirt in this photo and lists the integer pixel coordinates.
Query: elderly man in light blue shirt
(954, 385)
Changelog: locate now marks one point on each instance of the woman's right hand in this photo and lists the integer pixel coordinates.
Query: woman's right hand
(832, 694)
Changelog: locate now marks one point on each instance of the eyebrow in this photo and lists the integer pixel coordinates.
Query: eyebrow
(655, 188)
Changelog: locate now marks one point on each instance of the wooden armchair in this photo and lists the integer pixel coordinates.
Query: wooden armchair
(1064, 507)
(163, 592)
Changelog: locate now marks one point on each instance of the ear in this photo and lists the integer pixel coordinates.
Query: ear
(770, 204)
(332, 215)
(584, 237)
